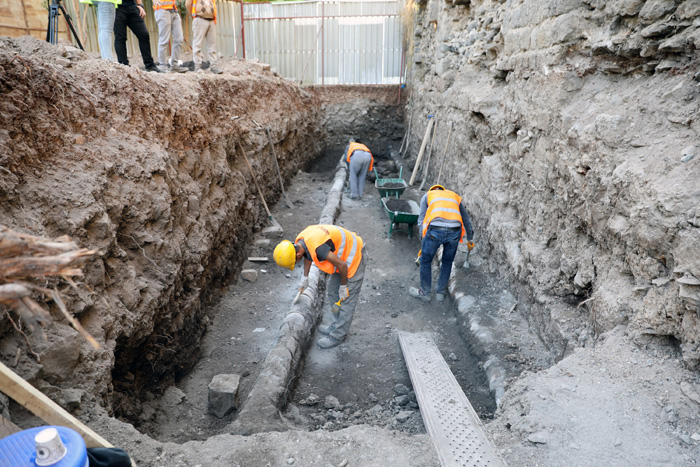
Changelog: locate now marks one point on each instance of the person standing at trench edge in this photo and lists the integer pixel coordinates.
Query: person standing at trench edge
(335, 251)
(131, 13)
(443, 221)
(360, 161)
(169, 24)
(106, 11)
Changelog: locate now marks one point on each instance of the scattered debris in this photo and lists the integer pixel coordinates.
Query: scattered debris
(251, 275)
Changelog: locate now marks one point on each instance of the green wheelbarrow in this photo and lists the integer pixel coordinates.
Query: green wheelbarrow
(401, 211)
(390, 186)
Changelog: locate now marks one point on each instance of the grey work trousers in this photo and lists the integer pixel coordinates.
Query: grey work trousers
(341, 324)
(204, 42)
(169, 23)
(359, 165)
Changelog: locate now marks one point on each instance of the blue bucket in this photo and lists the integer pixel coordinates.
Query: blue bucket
(19, 450)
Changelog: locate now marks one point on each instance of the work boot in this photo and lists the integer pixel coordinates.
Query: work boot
(439, 297)
(154, 68)
(326, 330)
(328, 342)
(418, 293)
(178, 69)
(215, 70)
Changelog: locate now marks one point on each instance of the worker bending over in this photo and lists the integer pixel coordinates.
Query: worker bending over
(443, 221)
(335, 251)
(360, 161)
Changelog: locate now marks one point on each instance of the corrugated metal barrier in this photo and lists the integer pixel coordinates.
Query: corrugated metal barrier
(311, 42)
(327, 42)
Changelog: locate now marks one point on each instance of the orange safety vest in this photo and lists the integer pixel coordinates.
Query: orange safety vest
(354, 147)
(348, 246)
(164, 5)
(443, 204)
(194, 9)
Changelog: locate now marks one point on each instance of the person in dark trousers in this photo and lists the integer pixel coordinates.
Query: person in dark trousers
(131, 13)
(443, 221)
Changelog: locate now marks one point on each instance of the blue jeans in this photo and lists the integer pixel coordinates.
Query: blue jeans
(106, 12)
(434, 237)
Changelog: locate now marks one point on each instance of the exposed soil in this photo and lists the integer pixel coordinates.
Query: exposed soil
(392, 185)
(398, 205)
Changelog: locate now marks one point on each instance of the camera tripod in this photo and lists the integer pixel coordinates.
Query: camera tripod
(55, 9)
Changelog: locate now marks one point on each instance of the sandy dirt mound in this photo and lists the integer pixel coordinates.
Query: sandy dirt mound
(148, 169)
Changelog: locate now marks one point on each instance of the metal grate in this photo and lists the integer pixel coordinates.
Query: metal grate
(449, 418)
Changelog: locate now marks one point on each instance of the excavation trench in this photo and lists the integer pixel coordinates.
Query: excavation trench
(255, 332)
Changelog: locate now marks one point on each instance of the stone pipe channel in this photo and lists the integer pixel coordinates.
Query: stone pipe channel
(261, 410)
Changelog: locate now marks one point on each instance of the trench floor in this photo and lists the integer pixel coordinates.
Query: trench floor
(363, 372)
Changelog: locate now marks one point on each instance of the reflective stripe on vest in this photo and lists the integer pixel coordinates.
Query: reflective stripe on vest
(348, 246)
(445, 205)
(354, 147)
(164, 5)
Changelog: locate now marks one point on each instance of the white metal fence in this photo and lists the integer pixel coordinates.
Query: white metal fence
(327, 42)
(312, 42)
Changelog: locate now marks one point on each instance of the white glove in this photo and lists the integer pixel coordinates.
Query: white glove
(304, 283)
(343, 292)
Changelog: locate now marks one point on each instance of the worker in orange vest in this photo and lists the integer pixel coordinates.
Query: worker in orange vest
(360, 161)
(335, 251)
(443, 221)
(203, 33)
(169, 24)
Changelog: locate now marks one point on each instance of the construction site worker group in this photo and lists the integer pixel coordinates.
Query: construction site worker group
(114, 16)
(339, 252)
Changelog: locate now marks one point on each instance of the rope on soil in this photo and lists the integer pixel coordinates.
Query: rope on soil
(25, 258)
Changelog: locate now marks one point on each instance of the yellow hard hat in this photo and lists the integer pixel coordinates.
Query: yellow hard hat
(436, 187)
(285, 255)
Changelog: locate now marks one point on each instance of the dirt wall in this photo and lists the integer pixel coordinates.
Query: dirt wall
(372, 115)
(146, 168)
(574, 145)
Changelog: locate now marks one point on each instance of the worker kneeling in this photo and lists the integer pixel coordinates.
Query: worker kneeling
(335, 251)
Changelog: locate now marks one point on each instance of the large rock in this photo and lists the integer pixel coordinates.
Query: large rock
(223, 394)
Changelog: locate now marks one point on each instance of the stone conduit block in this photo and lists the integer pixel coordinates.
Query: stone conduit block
(251, 275)
(223, 394)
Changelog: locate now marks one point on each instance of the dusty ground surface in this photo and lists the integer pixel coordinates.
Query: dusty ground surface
(363, 372)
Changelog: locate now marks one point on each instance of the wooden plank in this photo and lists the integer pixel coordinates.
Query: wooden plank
(36, 402)
(426, 138)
